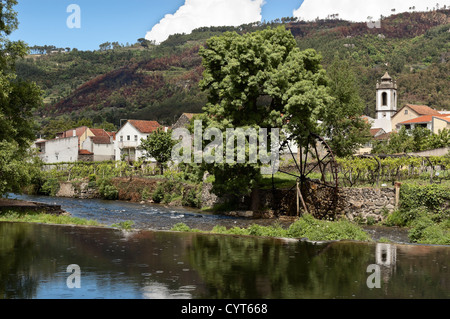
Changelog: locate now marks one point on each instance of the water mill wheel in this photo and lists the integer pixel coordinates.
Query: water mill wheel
(315, 179)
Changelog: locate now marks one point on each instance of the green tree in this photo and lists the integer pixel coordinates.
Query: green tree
(158, 145)
(259, 80)
(56, 125)
(18, 99)
(342, 122)
(399, 142)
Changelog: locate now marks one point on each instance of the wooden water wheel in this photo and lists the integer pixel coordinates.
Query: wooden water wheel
(316, 176)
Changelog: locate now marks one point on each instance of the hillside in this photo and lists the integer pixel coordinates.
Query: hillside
(161, 82)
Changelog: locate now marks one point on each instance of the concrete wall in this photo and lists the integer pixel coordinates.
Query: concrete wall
(439, 124)
(436, 152)
(102, 152)
(61, 150)
(401, 117)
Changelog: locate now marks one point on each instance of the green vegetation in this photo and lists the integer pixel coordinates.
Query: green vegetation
(259, 80)
(341, 121)
(18, 100)
(40, 217)
(142, 80)
(158, 145)
(126, 225)
(305, 227)
(425, 210)
(419, 139)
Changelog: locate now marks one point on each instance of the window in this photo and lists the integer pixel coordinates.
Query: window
(406, 112)
(121, 138)
(128, 138)
(384, 97)
(135, 138)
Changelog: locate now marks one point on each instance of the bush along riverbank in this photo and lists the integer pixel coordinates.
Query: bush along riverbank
(425, 211)
(306, 227)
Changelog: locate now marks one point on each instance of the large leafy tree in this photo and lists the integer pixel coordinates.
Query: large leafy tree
(17, 101)
(342, 121)
(260, 80)
(158, 145)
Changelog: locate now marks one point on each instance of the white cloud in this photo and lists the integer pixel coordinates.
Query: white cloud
(205, 13)
(356, 10)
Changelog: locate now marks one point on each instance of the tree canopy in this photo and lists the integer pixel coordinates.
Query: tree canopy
(18, 98)
(342, 121)
(260, 80)
(158, 145)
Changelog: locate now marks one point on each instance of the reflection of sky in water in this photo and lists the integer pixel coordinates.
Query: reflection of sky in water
(109, 286)
(96, 287)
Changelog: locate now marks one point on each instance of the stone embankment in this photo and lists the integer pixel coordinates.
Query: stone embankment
(354, 203)
(18, 205)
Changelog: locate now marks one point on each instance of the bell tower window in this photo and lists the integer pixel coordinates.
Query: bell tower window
(384, 98)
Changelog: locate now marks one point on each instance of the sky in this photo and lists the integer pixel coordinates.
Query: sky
(93, 22)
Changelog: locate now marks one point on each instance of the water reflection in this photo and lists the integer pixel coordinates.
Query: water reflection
(136, 265)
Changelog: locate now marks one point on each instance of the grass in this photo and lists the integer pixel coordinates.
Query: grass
(306, 227)
(43, 218)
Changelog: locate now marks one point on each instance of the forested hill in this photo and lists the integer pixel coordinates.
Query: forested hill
(150, 82)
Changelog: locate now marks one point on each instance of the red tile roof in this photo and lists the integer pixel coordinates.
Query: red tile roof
(375, 131)
(423, 109)
(101, 139)
(85, 152)
(99, 132)
(421, 119)
(444, 118)
(145, 127)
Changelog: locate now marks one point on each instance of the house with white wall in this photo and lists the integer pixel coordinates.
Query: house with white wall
(101, 148)
(79, 144)
(59, 150)
(129, 136)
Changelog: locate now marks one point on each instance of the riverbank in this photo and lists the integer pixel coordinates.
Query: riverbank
(129, 216)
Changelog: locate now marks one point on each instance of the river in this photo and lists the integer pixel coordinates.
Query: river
(150, 264)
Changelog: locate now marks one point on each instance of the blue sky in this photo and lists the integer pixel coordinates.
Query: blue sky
(43, 22)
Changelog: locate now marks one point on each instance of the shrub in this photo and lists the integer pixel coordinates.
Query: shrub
(192, 198)
(126, 225)
(403, 217)
(158, 194)
(107, 190)
(50, 187)
(425, 231)
(312, 229)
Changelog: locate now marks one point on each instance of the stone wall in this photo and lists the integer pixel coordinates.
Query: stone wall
(77, 190)
(354, 203)
(367, 203)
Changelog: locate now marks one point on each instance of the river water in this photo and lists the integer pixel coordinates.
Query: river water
(149, 264)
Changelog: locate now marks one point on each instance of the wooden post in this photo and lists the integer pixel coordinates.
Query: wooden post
(397, 194)
(300, 197)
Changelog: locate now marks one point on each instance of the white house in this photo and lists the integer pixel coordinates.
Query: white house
(102, 147)
(58, 150)
(80, 144)
(128, 138)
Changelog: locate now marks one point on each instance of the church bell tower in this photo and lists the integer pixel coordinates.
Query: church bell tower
(386, 98)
